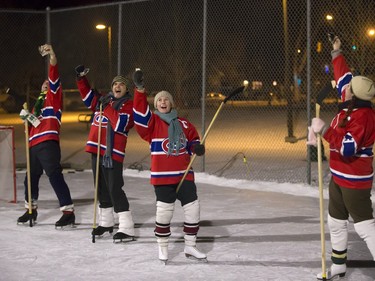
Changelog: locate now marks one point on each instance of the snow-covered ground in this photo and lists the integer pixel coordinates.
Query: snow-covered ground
(249, 230)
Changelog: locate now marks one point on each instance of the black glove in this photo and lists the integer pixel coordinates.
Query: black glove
(331, 37)
(199, 149)
(81, 70)
(105, 100)
(138, 79)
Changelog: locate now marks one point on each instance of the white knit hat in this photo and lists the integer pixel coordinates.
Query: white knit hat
(163, 94)
(362, 87)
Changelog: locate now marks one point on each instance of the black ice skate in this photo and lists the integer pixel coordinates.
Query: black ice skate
(68, 218)
(122, 237)
(100, 230)
(26, 217)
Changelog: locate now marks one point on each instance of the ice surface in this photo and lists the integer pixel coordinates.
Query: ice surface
(249, 230)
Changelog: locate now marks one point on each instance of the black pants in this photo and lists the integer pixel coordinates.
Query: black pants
(46, 156)
(167, 193)
(347, 201)
(111, 181)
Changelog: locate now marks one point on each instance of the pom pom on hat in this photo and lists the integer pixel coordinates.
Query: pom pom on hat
(121, 79)
(362, 87)
(164, 94)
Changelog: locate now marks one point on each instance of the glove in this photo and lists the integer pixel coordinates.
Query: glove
(138, 79)
(105, 100)
(318, 126)
(81, 70)
(199, 149)
(26, 115)
(311, 137)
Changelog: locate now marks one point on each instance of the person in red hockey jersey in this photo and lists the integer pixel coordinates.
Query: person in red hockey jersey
(117, 120)
(44, 137)
(351, 137)
(172, 140)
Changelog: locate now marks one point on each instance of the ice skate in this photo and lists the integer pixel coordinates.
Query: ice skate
(106, 222)
(68, 218)
(163, 249)
(125, 231)
(100, 230)
(337, 270)
(191, 251)
(122, 237)
(26, 217)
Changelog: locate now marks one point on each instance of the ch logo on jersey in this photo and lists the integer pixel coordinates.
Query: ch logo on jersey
(96, 120)
(165, 146)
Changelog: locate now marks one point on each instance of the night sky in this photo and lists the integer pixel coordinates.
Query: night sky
(53, 4)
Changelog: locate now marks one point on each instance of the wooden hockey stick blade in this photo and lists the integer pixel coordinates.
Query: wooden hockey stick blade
(325, 92)
(235, 92)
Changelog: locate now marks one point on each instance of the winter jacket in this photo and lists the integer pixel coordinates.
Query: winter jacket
(121, 121)
(351, 147)
(165, 169)
(50, 117)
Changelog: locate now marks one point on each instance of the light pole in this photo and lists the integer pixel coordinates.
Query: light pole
(102, 27)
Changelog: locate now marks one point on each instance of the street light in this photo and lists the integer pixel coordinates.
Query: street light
(102, 27)
(371, 32)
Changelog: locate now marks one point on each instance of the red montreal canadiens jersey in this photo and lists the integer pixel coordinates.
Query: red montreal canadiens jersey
(121, 122)
(351, 147)
(165, 169)
(50, 117)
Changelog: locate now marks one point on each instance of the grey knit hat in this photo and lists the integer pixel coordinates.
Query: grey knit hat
(121, 79)
(362, 87)
(163, 94)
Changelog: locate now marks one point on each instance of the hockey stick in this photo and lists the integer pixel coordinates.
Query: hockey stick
(231, 95)
(28, 168)
(97, 170)
(319, 100)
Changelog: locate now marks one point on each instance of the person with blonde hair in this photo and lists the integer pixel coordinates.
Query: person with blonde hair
(172, 141)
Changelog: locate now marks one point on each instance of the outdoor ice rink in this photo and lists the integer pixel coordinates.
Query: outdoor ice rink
(249, 230)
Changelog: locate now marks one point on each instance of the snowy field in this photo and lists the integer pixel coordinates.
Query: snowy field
(249, 230)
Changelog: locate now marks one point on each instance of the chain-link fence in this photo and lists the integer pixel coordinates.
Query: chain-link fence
(200, 50)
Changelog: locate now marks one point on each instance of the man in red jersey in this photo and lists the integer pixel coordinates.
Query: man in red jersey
(44, 146)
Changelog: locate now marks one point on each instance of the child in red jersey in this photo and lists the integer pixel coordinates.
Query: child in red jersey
(172, 140)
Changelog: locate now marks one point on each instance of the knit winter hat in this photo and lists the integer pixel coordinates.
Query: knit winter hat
(362, 87)
(121, 79)
(163, 94)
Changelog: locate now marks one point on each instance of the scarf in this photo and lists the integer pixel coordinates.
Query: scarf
(116, 105)
(39, 104)
(177, 138)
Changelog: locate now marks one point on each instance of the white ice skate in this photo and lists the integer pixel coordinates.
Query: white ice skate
(191, 250)
(163, 249)
(337, 270)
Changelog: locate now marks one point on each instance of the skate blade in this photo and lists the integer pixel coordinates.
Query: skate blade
(124, 240)
(27, 223)
(163, 262)
(191, 257)
(66, 227)
(338, 276)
